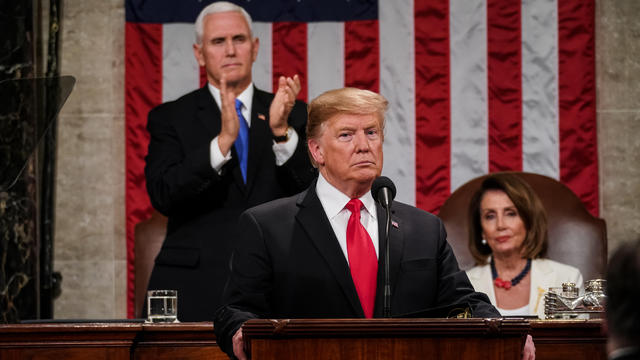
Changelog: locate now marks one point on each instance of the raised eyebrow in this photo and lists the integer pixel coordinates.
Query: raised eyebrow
(347, 128)
(373, 125)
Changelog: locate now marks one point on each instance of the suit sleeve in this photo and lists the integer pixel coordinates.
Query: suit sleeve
(248, 286)
(454, 285)
(175, 178)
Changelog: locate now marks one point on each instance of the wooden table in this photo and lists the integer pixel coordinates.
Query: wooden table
(109, 341)
(569, 339)
(554, 339)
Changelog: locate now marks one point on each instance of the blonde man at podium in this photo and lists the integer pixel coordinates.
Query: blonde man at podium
(320, 254)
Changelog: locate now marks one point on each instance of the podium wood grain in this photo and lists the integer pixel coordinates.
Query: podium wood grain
(308, 339)
(70, 341)
(569, 339)
(386, 338)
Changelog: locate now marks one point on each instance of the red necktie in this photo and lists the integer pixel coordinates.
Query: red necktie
(362, 258)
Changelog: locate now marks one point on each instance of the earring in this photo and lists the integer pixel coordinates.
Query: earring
(484, 241)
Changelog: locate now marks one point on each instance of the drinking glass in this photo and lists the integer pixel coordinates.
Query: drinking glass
(162, 306)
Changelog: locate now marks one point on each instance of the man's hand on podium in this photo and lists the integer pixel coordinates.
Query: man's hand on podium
(238, 345)
(528, 353)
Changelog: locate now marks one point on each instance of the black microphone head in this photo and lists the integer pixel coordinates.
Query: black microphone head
(382, 182)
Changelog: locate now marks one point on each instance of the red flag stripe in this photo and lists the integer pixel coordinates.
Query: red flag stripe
(143, 90)
(504, 63)
(432, 103)
(576, 78)
(202, 75)
(578, 166)
(289, 53)
(362, 55)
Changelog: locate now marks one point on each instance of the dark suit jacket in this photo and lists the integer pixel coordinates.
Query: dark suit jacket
(288, 264)
(630, 353)
(202, 206)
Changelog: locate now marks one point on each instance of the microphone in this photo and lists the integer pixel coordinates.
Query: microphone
(383, 191)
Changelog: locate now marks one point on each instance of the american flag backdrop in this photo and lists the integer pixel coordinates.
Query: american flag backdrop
(475, 86)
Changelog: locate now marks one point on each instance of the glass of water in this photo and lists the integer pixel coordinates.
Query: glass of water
(162, 306)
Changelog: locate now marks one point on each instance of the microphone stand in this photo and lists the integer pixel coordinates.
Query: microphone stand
(383, 192)
(387, 280)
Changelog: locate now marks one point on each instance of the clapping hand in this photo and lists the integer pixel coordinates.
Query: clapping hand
(283, 101)
(230, 123)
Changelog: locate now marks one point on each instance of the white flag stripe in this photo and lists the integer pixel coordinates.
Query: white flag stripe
(180, 71)
(468, 83)
(325, 57)
(469, 90)
(540, 129)
(262, 68)
(397, 84)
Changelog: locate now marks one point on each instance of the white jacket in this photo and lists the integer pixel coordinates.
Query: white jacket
(545, 273)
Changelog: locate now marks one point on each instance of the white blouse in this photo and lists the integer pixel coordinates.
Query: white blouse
(514, 312)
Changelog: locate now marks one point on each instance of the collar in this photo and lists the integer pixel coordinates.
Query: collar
(245, 96)
(333, 200)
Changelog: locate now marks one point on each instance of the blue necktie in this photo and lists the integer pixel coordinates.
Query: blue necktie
(242, 141)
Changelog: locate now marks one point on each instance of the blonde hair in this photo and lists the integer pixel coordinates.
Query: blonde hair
(219, 7)
(343, 101)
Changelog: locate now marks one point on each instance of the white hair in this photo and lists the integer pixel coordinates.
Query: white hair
(219, 7)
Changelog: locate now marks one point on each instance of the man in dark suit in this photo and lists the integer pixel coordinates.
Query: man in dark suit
(623, 292)
(312, 256)
(199, 171)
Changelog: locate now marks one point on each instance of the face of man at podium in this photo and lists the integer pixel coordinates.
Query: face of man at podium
(347, 145)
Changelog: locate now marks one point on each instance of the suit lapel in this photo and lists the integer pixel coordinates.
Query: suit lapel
(480, 278)
(315, 223)
(542, 278)
(259, 135)
(396, 243)
(208, 112)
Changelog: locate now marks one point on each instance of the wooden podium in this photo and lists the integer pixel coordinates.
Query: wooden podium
(308, 339)
(385, 338)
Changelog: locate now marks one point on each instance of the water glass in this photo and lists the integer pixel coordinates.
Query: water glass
(162, 306)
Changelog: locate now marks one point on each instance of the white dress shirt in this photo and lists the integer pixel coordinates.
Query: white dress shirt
(333, 202)
(283, 151)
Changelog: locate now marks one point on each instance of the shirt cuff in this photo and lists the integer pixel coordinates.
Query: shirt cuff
(217, 159)
(284, 151)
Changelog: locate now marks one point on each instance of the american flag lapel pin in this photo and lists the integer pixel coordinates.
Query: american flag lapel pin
(262, 117)
(394, 224)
